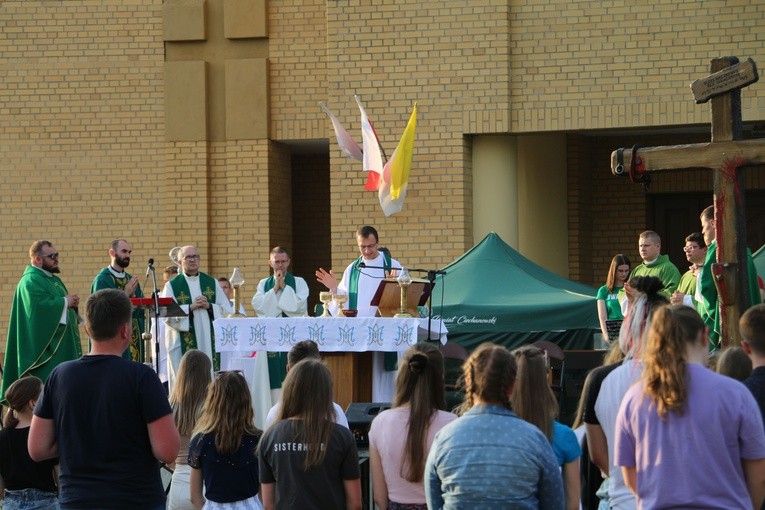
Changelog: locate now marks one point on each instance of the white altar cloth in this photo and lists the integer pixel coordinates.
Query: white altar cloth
(334, 334)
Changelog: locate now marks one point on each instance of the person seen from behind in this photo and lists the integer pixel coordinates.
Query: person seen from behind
(489, 457)
(680, 403)
(222, 453)
(186, 400)
(24, 483)
(400, 437)
(534, 401)
(307, 460)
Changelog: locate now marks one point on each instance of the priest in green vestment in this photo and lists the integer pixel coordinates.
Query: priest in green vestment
(114, 276)
(201, 297)
(360, 282)
(706, 295)
(43, 329)
(280, 295)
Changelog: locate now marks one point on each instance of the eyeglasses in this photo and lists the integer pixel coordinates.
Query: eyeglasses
(191, 257)
(52, 256)
(281, 262)
(688, 249)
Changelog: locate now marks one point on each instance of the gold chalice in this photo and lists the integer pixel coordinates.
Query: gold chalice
(325, 298)
(340, 299)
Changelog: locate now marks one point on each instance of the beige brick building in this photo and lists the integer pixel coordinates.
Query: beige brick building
(197, 122)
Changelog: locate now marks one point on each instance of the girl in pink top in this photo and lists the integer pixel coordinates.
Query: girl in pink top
(400, 438)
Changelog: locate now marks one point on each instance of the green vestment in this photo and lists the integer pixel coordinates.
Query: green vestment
(37, 341)
(208, 286)
(708, 306)
(688, 286)
(662, 269)
(390, 358)
(106, 279)
(277, 361)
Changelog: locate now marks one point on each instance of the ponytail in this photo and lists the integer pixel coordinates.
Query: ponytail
(18, 396)
(664, 364)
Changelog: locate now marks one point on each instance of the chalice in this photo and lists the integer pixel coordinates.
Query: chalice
(325, 298)
(340, 299)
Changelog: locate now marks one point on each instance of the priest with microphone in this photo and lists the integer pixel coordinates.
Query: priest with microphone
(360, 282)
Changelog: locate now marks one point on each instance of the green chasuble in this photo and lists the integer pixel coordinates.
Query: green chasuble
(106, 279)
(708, 305)
(688, 286)
(208, 286)
(391, 358)
(37, 342)
(277, 361)
(662, 269)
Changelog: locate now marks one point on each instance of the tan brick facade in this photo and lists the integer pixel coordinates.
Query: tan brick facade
(85, 156)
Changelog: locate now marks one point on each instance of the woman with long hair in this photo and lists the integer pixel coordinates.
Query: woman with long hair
(646, 299)
(608, 296)
(186, 400)
(306, 459)
(24, 483)
(400, 438)
(489, 457)
(683, 422)
(534, 401)
(222, 451)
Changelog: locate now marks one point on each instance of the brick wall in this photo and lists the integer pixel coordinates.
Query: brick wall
(82, 155)
(615, 64)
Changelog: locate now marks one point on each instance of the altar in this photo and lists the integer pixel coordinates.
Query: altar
(345, 343)
(333, 334)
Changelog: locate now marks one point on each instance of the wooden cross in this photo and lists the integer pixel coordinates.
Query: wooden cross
(726, 155)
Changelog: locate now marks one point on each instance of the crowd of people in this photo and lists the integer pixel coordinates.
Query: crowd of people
(655, 422)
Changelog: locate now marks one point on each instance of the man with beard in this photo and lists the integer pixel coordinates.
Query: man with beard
(114, 276)
(43, 329)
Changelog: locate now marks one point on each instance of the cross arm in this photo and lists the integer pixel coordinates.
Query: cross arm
(697, 155)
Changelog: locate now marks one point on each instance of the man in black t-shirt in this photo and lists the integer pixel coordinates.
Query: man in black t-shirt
(107, 418)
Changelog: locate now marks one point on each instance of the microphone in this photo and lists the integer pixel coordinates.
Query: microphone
(150, 268)
(363, 265)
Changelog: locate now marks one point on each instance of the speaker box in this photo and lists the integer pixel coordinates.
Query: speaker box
(360, 416)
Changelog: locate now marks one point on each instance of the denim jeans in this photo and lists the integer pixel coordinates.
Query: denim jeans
(30, 499)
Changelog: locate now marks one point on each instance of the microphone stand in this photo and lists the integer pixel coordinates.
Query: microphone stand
(155, 296)
(432, 273)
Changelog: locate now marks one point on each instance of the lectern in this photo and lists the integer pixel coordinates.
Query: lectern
(159, 307)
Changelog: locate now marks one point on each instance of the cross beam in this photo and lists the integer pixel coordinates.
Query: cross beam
(726, 155)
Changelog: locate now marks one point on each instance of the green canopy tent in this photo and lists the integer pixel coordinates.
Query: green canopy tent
(494, 294)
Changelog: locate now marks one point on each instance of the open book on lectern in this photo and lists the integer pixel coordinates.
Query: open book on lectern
(388, 296)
